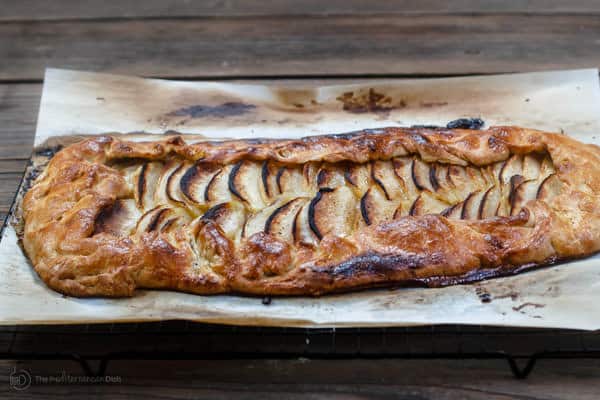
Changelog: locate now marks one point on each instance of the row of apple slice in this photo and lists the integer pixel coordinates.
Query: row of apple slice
(253, 197)
(260, 184)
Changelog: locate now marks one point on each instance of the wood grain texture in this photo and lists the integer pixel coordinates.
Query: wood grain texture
(19, 104)
(294, 379)
(73, 9)
(9, 183)
(11, 172)
(94, 341)
(299, 46)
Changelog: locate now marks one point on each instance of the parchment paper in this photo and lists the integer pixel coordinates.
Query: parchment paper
(565, 296)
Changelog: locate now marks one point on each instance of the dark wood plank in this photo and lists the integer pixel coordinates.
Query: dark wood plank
(78, 9)
(19, 104)
(295, 379)
(12, 166)
(351, 46)
(11, 172)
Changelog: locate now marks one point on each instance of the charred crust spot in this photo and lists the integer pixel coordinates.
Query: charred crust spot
(482, 203)
(380, 264)
(264, 174)
(231, 181)
(413, 208)
(321, 177)
(280, 172)
(414, 176)
(466, 123)
(210, 183)
(363, 208)
(156, 219)
(311, 211)
(141, 185)
(463, 213)
(433, 179)
(186, 180)
(295, 225)
(380, 184)
(274, 214)
(169, 180)
(214, 212)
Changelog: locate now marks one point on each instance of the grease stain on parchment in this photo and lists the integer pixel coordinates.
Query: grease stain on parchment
(229, 109)
(527, 307)
(371, 101)
(299, 106)
(296, 100)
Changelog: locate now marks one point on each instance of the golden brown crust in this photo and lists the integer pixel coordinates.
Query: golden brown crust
(93, 227)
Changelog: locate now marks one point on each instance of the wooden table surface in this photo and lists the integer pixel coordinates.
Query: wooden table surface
(268, 41)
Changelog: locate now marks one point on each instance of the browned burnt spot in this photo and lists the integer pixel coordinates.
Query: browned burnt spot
(295, 100)
(522, 306)
(379, 264)
(372, 101)
(512, 295)
(267, 300)
(229, 109)
(483, 294)
(48, 152)
(431, 104)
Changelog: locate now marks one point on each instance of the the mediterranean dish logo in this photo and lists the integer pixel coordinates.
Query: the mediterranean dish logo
(22, 379)
(19, 380)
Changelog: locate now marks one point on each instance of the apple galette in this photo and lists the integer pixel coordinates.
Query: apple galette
(309, 216)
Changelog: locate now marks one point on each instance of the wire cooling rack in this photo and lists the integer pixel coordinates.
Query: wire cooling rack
(182, 340)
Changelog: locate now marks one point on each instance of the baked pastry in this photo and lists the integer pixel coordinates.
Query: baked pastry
(310, 216)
